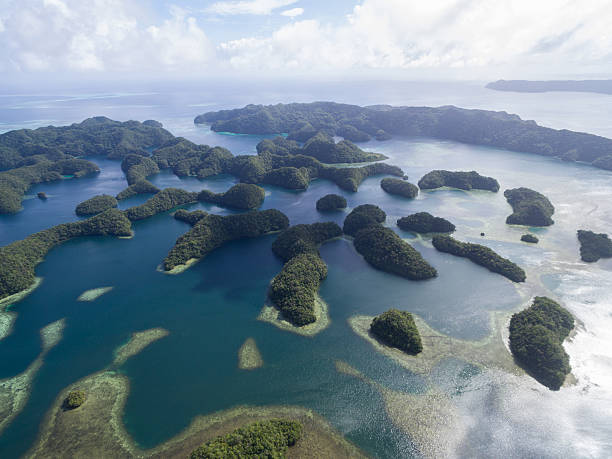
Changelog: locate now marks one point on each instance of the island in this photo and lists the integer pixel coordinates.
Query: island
(481, 255)
(41, 195)
(140, 187)
(529, 208)
(530, 238)
(363, 216)
(74, 399)
(95, 205)
(594, 246)
(463, 180)
(270, 438)
(245, 196)
(19, 259)
(331, 202)
(536, 341)
(597, 86)
(46, 154)
(397, 329)
(165, 200)
(399, 187)
(294, 290)
(424, 222)
(212, 231)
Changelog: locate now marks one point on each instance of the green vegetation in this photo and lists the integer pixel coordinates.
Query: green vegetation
(140, 187)
(74, 399)
(165, 200)
(18, 260)
(385, 250)
(478, 127)
(190, 217)
(481, 255)
(212, 231)
(263, 439)
(240, 196)
(529, 238)
(530, 208)
(397, 329)
(294, 289)
(349, 178)
(594, 246)
(424, 222)
(323, 148)
(288, 177)
(185, 158)
(95, 205)
(331, 202)
(536, 341)
(463, 180)
(45, 154)
(399, 187)
(137, 168)
(363, 216)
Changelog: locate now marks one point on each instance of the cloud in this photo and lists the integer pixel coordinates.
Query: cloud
(260, 7)
(100, 35)
(293, 12)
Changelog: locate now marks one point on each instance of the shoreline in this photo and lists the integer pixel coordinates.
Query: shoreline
(178, 269)
(272, 315)
(20, 295)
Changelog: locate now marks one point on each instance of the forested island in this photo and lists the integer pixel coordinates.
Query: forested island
(399, 187)
(536, 341)
(293, 291)
(397, 329)
(463, 180)
(530, 238)
(245, 196)
(594, 246)
(529, 208)
(45, 154)
(95, 205)
(212, 231)
(265, 439)
(481, 255)
(381, 247)
(597, 86)
(331, 202)
(424, 222)
(478, 127)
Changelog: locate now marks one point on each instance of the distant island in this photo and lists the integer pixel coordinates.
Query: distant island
(597, 86)
(463, 180)
(594, 246)
(529, 208)
(536, 341)
(478, 127)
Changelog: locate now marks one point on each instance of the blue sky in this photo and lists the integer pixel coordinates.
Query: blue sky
(415, 39)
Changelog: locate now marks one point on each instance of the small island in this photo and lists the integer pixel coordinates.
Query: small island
(74, 399)
(530, 238)
(481, 255)
(399, 187)
(529, 208)
(95, 205)
(536, 341)
(594, 246)
(245, 196)
(397, 329)
(331, 202)
(462, 180)
(270, 438)
(424, 222)
(363, 216)
(41, 195)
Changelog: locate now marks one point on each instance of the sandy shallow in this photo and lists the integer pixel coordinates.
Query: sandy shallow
(249, 357)
(94, 293)
(138, 341)
(273, 315)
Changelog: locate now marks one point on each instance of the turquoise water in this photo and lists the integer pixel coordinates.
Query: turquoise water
(211, 309)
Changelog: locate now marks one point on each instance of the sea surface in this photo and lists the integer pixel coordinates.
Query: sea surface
(211, 308)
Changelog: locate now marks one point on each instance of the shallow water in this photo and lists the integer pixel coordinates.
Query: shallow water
(212, 308)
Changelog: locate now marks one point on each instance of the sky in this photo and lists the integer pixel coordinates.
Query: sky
(424, 39)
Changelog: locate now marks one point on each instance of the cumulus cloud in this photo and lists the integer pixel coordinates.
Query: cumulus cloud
(100, 35)
(293, 12)
(248, 6)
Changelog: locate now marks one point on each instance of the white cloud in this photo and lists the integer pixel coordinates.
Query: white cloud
(100, 35)
(260, 7)
(293, 12)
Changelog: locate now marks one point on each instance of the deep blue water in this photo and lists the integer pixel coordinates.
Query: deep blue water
(211, 308)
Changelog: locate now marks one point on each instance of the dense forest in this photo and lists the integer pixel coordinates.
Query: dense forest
(594, 246)
(530, 238)
(399, 187)
(529, 208)
(424, 222)
(481, 255)
(263, 439)
(397, 329)
(95, 205)
(295, 288)
(463, 180)
(244, 196)
(536, 341)
(331, 202)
